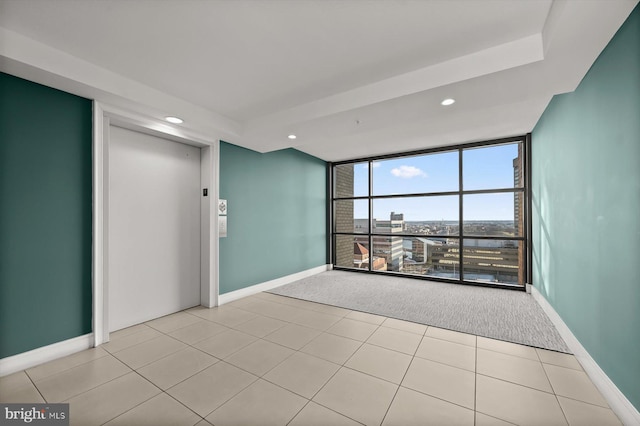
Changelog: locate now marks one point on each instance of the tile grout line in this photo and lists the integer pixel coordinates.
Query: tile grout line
(451, 341)
(516, 383)
(341, 414)
(91, 388)
(291, 321)
(299, 411)
(386, 413)
(515, 356)
(378, 326)
(139, 404)
(554, 391)
(66, 369)
(475, 385)
(261, 377)
(257, 338)
(267, 372)
(309, 400)
(340, 366)
(445, 364)
(308, 301)
(129, 335)
(35, 386)
(359, 347)
(162, 391)
(219, 361)
(146, 380)
(434, 396)
(198, 372)
(231, 326)
(187, 378)
(230, 398)
(159, 359)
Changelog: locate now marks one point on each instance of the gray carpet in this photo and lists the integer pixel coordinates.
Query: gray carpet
(513, 316)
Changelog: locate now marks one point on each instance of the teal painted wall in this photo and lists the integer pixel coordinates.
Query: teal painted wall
(277, 215)
(45, 216)
(586, 209)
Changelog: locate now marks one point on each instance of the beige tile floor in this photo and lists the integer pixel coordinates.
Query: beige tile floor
(271, 360)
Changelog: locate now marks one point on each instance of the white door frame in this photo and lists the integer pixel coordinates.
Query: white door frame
(104, 116)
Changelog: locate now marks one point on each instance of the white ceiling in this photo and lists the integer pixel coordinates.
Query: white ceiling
(351, 78)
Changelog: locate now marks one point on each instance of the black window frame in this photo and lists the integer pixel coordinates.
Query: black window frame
(525, 233)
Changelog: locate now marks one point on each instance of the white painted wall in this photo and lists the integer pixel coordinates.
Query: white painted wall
(208, 267)
(154, 227)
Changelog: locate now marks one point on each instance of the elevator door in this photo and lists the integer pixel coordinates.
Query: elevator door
(153, 227)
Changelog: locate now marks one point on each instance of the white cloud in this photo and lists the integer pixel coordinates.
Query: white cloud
(407, 172)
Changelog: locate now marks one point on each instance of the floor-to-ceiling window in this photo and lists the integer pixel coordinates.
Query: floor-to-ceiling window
(455, 213)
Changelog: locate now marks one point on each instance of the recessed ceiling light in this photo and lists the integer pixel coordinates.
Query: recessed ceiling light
(174, 120)
(292, 136)
(448, 102)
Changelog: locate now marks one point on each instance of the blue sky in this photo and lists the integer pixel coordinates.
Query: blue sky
(483, 168)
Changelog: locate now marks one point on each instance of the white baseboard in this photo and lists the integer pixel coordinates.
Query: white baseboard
(268, 285)
(19, 362)
(619, 403)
